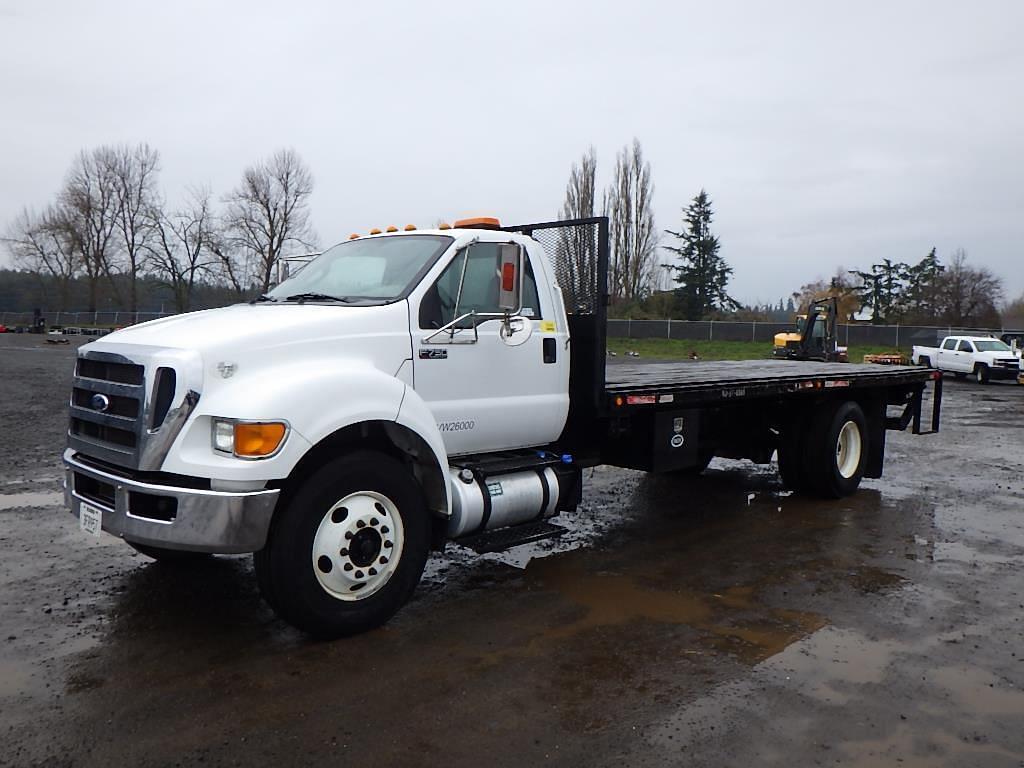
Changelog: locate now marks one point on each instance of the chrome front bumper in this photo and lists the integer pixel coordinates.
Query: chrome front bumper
(202, 521)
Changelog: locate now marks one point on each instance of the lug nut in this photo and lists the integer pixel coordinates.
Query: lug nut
(388, 544)
(385, 529)
(383, 561)
(348, 534)
(348, 566)
(372, 571)
(360, 524)
(343, 552)
(374, 521)
(359, 574)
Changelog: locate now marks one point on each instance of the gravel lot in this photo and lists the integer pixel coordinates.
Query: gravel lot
(716, 621)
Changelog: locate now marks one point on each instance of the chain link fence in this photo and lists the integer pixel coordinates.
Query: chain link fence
(895, 336)
(100, 319)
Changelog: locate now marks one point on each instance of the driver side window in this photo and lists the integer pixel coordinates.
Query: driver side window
(481, 262)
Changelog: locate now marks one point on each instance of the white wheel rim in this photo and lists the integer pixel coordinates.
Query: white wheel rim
(358, 545)
(848, 448)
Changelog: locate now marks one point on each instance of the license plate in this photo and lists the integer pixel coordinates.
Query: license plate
(90, 519)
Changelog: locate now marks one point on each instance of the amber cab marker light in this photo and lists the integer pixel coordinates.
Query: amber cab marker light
(478, 222)
(354, 236)
(255, 440)
(374, 231)
(444, 225)
(392, 228)
(410, 227)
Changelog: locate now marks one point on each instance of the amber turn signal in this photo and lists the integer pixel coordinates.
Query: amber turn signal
(256, 440)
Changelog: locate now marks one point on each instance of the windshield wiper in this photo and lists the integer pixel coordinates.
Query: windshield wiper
(301, 297)
(262, 297)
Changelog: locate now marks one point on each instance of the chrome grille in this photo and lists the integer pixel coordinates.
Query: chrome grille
(107, 400)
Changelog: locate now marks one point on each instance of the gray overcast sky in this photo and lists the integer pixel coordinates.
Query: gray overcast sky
(825, 133)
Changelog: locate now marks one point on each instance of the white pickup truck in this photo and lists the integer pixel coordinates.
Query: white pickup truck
(982, 357)
(412, 387)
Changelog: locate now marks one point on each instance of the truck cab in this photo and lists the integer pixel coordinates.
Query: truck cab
(409, 349)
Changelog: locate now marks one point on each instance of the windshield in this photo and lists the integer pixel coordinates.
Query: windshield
(377, 269)
(991, 346)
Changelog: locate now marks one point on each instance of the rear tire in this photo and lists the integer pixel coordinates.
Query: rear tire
(925, 361)
(347, 549)
(162, 555)
(836, 450)
(981, 373)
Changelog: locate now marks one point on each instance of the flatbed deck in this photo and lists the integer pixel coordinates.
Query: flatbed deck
(697, 381)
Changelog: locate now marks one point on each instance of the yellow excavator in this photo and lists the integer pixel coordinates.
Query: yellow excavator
(815, 335)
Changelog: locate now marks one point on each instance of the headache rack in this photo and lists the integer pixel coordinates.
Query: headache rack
(579, 253)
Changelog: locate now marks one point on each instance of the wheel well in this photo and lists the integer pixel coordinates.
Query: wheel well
(392, 439)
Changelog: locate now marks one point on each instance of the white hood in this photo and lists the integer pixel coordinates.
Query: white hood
(257, 333)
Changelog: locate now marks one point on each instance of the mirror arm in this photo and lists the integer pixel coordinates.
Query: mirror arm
(450, 328)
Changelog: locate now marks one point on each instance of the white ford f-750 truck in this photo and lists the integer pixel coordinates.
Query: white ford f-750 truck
(409, 388)
(982, 357)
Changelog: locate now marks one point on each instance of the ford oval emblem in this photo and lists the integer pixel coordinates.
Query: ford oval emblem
(100, 402)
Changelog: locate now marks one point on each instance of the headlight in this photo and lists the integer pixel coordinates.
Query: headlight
(248, 439)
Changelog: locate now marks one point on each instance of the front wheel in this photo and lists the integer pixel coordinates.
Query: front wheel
(981, 373)
(348, 547)
(836, 450)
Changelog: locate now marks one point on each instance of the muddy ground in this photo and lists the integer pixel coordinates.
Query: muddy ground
(706, 622)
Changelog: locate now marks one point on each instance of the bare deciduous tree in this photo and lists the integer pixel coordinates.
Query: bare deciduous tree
(969, 294)
(135, 171)
(180, 246)
(267, 213)
(88, 205)
(40, 244)
(577, 257)
(634, 240)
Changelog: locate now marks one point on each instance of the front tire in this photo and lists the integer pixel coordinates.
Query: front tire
(347, 549)
(836, 451)
(981, 373)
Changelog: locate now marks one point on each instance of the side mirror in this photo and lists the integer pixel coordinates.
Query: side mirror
(510, 278)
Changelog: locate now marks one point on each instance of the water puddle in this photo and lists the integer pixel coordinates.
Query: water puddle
(31, 499)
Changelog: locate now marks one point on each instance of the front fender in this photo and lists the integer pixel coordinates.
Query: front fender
(315, 401)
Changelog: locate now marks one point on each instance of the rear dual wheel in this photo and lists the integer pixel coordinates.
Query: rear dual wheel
(827, 455)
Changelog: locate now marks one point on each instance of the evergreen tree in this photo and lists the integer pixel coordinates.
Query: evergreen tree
(702, 273)
(883, 290)
(790, 307)
(923, 289)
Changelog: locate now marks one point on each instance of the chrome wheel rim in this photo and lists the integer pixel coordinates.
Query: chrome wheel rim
(358, 545)
(848, 448)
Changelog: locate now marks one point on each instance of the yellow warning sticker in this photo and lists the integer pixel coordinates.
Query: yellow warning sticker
(547, 326)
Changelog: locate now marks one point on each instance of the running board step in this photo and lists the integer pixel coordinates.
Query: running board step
(506, 538)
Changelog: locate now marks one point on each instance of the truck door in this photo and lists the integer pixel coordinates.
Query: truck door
(965, 356)
(498, 387)
(947, 356)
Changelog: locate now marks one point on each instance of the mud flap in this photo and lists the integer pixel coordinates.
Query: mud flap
(875, 412)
